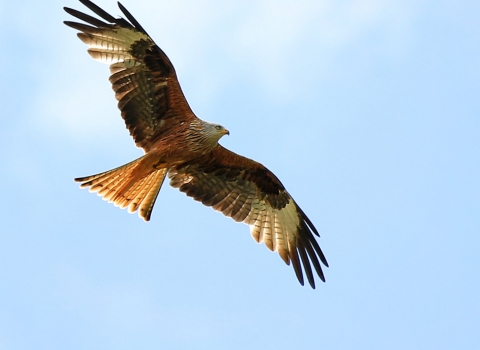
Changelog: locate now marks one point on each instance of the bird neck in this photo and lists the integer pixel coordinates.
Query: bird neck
(202, 137)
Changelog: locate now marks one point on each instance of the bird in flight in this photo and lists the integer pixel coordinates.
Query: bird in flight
(178, 144)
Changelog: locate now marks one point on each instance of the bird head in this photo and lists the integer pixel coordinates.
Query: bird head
(221, 130)
(212, 133)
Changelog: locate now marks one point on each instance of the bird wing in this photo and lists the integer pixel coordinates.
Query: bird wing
(143, 78)
(248, 192)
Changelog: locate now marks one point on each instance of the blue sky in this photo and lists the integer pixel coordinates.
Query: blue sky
(368, 111)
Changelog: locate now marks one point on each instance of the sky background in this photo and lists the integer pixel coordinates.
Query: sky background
(367, 110)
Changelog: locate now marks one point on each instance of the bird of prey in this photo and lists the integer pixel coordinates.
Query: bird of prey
(178, 144)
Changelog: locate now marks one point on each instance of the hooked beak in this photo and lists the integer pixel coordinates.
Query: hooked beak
(226, 132)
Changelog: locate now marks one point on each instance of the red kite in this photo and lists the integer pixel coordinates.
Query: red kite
(185, 147)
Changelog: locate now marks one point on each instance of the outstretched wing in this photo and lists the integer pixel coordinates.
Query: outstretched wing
(248, 192)
(143, 78)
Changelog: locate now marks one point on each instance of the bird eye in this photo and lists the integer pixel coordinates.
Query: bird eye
(218, 127)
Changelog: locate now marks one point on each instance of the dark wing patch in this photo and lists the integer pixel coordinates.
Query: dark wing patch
(143, 78)
(248, 192)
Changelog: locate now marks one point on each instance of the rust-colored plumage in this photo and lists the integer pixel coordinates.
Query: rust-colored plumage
(186, 148)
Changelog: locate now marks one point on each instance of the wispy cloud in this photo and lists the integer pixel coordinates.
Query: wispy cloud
(213, 45)
(275, 34)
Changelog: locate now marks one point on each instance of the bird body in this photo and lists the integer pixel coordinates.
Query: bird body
(178, 144)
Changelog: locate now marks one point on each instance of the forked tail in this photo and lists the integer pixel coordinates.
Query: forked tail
(134, 185)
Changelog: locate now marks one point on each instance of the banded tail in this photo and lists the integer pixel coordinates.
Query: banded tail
(134, 185)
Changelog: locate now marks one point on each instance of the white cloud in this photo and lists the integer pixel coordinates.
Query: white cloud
(276, 33)
(212, 45)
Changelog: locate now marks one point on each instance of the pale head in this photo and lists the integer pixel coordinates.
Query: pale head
(205, 135)
(215, 131)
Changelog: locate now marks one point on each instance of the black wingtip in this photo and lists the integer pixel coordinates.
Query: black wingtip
(86, 18)
(131, 18)
(97, 10)
(307, 220)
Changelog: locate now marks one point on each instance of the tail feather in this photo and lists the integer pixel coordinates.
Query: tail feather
(131, 185)
(129, 195)
(149, 195)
